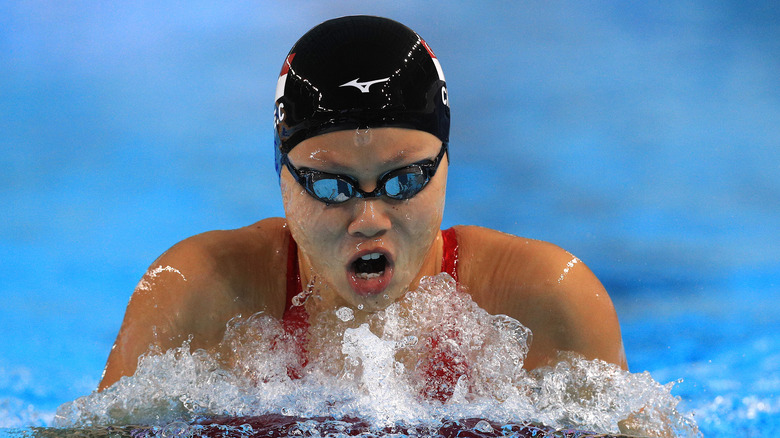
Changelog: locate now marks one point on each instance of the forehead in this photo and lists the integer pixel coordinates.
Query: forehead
(375, 148)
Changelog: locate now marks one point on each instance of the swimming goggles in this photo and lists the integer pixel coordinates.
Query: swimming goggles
(399, 184)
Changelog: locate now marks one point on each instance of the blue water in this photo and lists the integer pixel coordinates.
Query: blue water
(643, 137)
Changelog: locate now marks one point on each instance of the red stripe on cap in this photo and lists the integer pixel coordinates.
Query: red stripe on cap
(286, 65)
(428, 48)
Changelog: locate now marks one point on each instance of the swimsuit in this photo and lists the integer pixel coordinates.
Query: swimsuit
(295, 321)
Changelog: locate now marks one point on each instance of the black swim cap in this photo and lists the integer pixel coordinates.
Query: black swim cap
(359, 72)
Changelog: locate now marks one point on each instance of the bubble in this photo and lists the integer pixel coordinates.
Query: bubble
(483, 426)
(408, 341)
(177, 429)
(345, 314)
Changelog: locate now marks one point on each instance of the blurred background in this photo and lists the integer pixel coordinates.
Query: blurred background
(641, 136)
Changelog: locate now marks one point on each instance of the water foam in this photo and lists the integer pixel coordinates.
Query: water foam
(430, 357)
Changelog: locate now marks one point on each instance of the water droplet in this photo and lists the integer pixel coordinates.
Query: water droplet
(177, 429)
(300, 299)
(345, 314)
(362, 137)
(360, 307)
(483, 426)
(409, 341)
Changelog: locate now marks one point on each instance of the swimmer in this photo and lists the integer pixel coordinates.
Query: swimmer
(362, 122)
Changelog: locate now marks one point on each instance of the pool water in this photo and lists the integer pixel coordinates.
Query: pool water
(723, 344)
(640, 137)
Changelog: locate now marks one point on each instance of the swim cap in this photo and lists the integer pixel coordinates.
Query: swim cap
(358, 72)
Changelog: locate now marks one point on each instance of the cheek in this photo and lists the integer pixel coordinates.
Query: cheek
(421, 218)
(314, 228)
(426, 210)
(304, 216)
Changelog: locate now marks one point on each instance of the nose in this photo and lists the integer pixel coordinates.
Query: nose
(370, 219)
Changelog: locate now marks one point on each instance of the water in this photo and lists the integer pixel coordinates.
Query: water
(640, 137)
(728, 357)
(433, 355)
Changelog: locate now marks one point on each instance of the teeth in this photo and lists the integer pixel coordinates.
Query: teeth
(367, 276)
(372, 256)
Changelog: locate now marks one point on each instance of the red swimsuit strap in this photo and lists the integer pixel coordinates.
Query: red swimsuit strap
(449, 260)
(293, 275)
(295, 319)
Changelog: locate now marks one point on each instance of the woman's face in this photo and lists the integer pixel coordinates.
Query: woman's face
(365, 251)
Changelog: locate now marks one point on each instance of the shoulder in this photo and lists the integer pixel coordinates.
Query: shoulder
(508, 256)
(214, 252)
(545, 287)
(262, 236)
(240, 266)
(500, 267)
(192, 290)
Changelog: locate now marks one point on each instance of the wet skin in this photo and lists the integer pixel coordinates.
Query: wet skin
(332, 238)
(193, 289)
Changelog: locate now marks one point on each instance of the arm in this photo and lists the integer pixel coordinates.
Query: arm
(545, 288)
(176, 286)
(580, 314)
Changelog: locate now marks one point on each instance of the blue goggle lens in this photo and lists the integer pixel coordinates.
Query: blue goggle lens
(398, 184)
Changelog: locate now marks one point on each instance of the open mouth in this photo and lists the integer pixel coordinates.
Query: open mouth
(370, 266)
(370, 273)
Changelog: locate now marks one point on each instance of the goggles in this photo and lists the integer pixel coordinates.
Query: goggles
(398, 184)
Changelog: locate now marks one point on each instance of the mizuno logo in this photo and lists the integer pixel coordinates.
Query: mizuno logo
(363, 86)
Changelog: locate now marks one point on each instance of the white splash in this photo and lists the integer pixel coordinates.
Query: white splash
(434, 354)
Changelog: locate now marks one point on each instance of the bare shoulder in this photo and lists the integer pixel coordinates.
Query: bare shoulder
(240, 265)
(192, 290)
(511, 260)
(546, 288)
